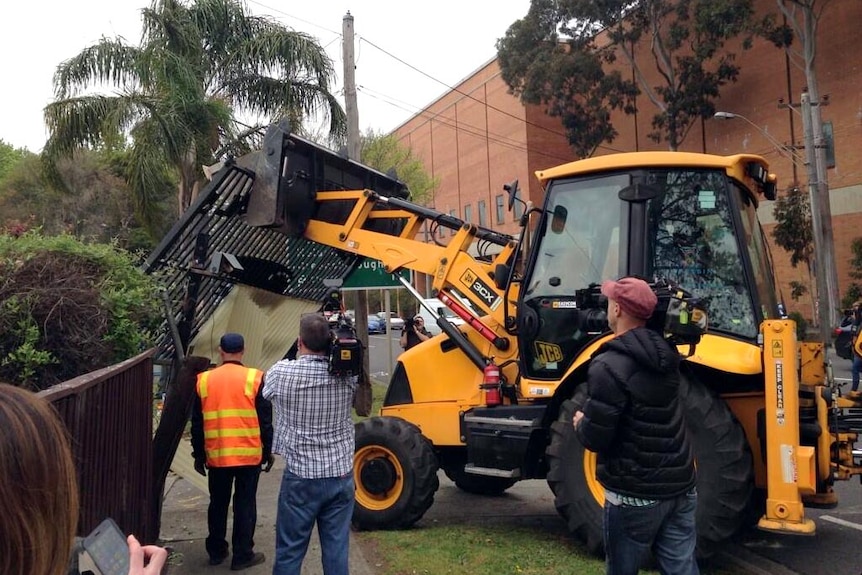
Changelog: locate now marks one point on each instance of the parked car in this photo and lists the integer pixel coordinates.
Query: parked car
(376, 325)
(843, 336)
(431, 320)
(395, 321)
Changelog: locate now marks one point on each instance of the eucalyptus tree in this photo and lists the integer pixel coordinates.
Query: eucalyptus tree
(570, 54)
(803, 21)
(174, 100)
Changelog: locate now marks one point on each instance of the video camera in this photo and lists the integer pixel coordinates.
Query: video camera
(679, 316)
(345, 349)
(592, 308)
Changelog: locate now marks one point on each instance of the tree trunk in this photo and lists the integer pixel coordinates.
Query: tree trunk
(178, 405)
(188, 186)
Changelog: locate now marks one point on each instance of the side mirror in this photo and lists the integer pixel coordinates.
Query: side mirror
(512, 190)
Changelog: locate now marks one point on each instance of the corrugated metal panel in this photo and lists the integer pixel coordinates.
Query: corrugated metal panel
(269, 323)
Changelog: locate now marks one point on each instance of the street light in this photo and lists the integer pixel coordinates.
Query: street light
(782, 149)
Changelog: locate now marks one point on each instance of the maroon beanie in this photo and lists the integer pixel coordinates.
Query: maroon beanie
(633, 295)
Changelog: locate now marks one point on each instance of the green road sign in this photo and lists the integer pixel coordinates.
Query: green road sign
(369, 274)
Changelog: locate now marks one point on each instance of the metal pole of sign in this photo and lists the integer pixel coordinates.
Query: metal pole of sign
(387, 307)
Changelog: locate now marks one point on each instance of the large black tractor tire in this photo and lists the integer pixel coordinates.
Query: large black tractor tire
(395, 472)
(725, 476)
(477, 484)
(578, 497)
(725, 468)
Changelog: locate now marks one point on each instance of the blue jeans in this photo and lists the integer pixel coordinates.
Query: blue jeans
(855, 369)
(301, 502)
(667, 527)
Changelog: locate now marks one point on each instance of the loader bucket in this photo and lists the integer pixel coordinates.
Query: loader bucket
(289, 171)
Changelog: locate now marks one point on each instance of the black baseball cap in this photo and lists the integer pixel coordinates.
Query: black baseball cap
(232, 343)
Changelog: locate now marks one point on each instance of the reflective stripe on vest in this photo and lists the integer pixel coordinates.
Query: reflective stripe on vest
(231, 426)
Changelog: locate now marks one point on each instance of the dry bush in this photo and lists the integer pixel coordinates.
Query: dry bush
(67, 308)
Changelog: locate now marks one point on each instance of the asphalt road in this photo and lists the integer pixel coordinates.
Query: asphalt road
(383, 352)
(834, 549)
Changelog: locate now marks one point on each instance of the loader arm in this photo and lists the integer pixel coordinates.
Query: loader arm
(303, 189)
(450, 266)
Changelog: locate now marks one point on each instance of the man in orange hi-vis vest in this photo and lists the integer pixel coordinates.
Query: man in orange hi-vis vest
(232, 437)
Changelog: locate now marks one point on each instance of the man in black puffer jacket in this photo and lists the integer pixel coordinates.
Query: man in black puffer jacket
(633, 420)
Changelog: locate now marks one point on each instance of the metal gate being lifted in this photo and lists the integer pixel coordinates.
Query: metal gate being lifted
(212, 247)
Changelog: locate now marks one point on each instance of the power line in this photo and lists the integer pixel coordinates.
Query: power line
(469, 129)
(394, 102)
(283, 13)
(429, 76)
(454, 89)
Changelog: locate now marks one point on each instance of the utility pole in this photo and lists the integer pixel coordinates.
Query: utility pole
(821, 217)
(353, 151)
(350, 88)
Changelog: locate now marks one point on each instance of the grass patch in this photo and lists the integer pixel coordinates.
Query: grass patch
(474, 549)
(378, 390)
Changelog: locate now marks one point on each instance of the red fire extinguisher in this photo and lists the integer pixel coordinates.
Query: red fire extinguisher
(491, 384)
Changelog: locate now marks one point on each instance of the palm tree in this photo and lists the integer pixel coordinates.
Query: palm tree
(176, 98)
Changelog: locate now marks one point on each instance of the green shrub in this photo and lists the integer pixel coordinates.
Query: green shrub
(852, 295)
(68, 308)
(801, 325)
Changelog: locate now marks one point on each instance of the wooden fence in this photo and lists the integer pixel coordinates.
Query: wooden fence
(109, 414)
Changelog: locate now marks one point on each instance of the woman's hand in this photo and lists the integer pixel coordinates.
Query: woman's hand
(154, 555)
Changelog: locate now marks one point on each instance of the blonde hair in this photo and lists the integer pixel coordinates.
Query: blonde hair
(38, 488)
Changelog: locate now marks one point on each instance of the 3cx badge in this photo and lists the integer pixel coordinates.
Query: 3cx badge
(482, 290)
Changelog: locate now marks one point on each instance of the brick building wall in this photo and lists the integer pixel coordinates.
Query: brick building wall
(478, 136)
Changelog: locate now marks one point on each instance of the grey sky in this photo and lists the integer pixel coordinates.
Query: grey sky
(446, 40)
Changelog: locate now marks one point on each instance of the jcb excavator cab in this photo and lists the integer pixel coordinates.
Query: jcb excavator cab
(694, 225)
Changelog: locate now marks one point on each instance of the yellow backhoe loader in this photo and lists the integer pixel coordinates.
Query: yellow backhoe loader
(490, 402)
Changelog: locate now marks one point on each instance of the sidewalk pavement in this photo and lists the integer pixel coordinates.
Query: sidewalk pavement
(184, 523)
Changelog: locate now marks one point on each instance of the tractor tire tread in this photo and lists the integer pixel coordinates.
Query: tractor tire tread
(419, 463)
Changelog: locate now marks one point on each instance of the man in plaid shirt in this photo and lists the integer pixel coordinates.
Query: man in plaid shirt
(314, 434)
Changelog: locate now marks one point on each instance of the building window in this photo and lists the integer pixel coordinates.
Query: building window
(468, 213)
(483, 214)
(499, 206)
(829, 141)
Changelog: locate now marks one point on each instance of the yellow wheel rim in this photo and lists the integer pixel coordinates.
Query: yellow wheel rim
(382, 464)
(596, 489)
